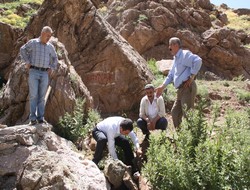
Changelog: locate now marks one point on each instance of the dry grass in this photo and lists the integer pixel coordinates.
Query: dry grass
(238, 22)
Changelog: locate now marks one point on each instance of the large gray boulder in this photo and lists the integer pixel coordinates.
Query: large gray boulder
(33, 157)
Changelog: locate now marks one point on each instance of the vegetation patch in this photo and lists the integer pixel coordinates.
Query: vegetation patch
(18, 13)
(203, 156)
(238, 22)
(76, 124)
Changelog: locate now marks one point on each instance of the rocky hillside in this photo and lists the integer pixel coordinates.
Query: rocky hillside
(98, 37)
(147, 26)
(103, 47)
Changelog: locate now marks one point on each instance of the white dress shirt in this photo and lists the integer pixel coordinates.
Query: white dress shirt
(111, 128)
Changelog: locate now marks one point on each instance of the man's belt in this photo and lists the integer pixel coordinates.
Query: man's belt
(39, 68)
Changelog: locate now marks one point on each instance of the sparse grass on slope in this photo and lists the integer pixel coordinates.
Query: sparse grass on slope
(8, 13)
(238, 22)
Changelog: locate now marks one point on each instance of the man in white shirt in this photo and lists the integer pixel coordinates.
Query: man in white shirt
(152, 112)
(113, 130)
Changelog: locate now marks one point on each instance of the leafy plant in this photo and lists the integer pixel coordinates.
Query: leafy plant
(243, 95)
(152, 67)
(238, 78)
(76, 124)
(198, 159)
(142, 17)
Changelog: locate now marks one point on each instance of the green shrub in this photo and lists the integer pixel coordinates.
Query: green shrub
(142, 17)
(203, 91)
(243, 95)
(152, 67)
(76, 124)
(201, 160)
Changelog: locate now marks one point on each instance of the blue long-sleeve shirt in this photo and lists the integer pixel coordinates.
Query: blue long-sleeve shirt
(41, 55)
(185, 63)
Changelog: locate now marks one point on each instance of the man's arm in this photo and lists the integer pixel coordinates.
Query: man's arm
(25, 52)
(142, 113)
(134, 139)
(111, 146)
(159, 90)
(195, 63)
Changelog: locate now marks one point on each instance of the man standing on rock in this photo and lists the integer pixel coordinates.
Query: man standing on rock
(152, 112)
(113, 130)
(186, 65)
(41, 60)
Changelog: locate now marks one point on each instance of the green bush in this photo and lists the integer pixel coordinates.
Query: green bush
(199, 159)
(243, 95)
(76, 124)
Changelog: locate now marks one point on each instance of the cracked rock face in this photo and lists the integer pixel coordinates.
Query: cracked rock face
(66, 87)
(111, 69)
(33, 157)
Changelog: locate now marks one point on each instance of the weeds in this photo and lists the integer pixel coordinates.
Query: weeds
(198, 160)
(76, 124)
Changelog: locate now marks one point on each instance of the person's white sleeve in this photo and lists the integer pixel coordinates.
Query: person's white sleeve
(134, 139)
(111, 146)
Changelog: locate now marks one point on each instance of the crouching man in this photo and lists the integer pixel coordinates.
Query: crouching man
(113, 130)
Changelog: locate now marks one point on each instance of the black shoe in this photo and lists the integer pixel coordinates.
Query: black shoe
(33, 122)
(42, 121)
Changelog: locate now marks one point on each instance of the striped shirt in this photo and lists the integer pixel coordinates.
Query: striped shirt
(38, 54)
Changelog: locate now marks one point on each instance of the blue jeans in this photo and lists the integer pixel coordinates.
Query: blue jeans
(38, 84)
(162, 124)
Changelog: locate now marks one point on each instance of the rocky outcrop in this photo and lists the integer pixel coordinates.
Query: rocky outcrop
(164, 65)
(119, 175)
(242, 11)
(111, 69)
(33, 157)
(148, 25)
(8, 37)
(66, 86)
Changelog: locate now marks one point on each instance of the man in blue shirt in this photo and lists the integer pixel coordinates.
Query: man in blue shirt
(113, 130)
(186, 65)
(41, 59)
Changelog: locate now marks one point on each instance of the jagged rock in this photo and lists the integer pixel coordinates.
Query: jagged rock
(118, 174)
(111, 69)
(8, 37)
(226, 57)
(242, 11)
(148, 25)
(66, 86)
(33, 157)
(211, 76)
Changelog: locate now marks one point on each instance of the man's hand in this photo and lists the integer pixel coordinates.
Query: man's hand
(189, 81)
(151, 126)
(138, 152)
(159, 91)
(27, 66)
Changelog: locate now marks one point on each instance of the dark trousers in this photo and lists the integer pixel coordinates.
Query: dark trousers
(162, 124)
(120, 141)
